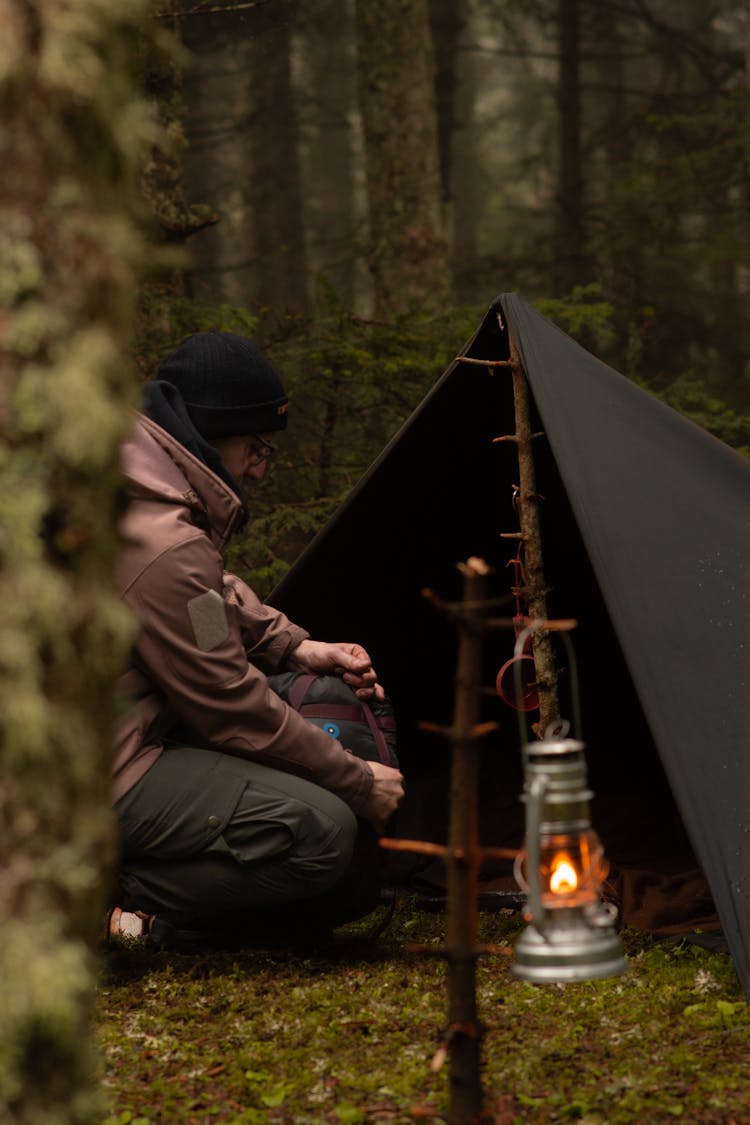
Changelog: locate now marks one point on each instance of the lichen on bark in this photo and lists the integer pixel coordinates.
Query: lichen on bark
(76, 125)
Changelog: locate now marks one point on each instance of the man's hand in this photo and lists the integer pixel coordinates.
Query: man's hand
(385, 796)
(351, 662)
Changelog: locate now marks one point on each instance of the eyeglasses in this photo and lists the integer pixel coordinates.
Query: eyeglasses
(260, 451)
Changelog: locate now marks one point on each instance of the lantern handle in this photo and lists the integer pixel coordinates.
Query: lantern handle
(537, 790)
(518, 648)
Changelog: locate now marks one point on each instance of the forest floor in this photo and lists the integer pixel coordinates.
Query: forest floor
(351, 1035)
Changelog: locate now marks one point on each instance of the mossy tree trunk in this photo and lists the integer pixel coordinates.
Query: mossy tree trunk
(407, 258)
(70, 248)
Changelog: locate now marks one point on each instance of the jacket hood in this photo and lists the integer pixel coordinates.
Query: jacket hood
(164, 404)
(156, 466)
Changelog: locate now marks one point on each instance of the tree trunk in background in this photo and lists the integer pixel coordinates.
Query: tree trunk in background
(446, 22)
(727, 302)
(222, 267)
(407, 256)
(619, 258)
(571, 264)
(175, 220)
(73, 127)
(465, 173)
(273, 168)
(325, 67)
(610, 108)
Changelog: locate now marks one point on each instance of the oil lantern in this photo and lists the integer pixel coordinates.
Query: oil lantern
(571, 934)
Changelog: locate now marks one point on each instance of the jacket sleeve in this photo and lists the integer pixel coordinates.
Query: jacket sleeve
(191, 644)
(268, 636)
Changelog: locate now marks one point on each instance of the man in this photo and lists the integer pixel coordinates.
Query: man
(239, 819)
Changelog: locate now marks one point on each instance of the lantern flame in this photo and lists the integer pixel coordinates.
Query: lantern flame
(564, 878)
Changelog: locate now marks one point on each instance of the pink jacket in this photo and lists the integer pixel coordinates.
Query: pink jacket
(205, 642)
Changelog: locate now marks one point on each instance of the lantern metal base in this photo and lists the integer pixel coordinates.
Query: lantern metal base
(569, 950)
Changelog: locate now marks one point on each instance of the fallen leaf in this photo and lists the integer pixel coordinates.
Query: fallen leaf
(423, 1110)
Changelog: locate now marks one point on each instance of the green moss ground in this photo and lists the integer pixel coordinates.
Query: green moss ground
(349, 1036)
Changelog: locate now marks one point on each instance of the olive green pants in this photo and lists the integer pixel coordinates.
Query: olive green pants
(210, 840)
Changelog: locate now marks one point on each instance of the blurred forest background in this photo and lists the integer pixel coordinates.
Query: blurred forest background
(353, 183)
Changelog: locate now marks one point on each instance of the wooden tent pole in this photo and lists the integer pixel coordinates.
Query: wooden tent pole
(535, 590)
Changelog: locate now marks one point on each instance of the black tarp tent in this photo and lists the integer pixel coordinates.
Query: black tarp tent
(646, 538)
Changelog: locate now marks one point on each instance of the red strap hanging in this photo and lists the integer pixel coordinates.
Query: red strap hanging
(505, 683)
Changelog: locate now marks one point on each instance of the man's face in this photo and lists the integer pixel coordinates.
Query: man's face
(246, 456)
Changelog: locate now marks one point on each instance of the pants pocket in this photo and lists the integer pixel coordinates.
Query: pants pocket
(181, 805)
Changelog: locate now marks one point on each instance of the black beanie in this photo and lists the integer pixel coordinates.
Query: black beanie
(227, 384)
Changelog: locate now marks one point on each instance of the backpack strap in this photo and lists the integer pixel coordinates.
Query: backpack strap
(298, 690)
(347, 712)
(377, 733)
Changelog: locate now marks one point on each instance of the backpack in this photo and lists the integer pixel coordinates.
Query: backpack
(366, 727)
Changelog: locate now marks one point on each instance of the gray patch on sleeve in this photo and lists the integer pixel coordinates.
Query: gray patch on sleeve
(208, 616)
